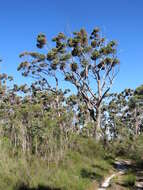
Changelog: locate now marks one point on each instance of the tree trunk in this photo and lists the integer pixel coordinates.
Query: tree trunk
(136, 123)
(98, 111)
(97, 128)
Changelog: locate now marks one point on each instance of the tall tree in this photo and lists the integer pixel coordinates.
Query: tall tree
(136, 108)
(89, 62)
(118, 120)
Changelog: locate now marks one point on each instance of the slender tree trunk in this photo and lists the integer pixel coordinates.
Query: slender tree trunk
(98, 123)
(97, 127)
(98, 111)
(136, 123)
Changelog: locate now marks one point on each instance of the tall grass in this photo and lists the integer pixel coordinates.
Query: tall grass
(79, 167)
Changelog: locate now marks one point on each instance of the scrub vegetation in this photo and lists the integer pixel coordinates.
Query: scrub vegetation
(64, 130)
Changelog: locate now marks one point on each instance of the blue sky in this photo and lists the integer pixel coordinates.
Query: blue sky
(122, 20)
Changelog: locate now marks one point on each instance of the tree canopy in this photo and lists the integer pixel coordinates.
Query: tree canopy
(89, 62)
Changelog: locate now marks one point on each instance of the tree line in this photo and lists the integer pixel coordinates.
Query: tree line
(69, 97)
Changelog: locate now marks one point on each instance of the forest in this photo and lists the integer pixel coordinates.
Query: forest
(67, 129)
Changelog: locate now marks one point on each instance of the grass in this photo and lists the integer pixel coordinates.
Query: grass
(76, 171)
(129, 180)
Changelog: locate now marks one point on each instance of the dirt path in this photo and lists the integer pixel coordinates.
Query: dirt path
(107, 181)
(122, 167)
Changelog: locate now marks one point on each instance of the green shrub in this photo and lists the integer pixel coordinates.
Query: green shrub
(129, 180)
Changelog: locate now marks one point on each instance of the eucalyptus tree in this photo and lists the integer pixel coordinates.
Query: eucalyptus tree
(118, 120)
(125, 113)
(88, 62)
(136, 109)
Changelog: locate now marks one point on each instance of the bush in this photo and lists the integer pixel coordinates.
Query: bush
(129, 180)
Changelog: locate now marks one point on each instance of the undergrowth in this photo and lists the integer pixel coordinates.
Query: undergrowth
(79, 167)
